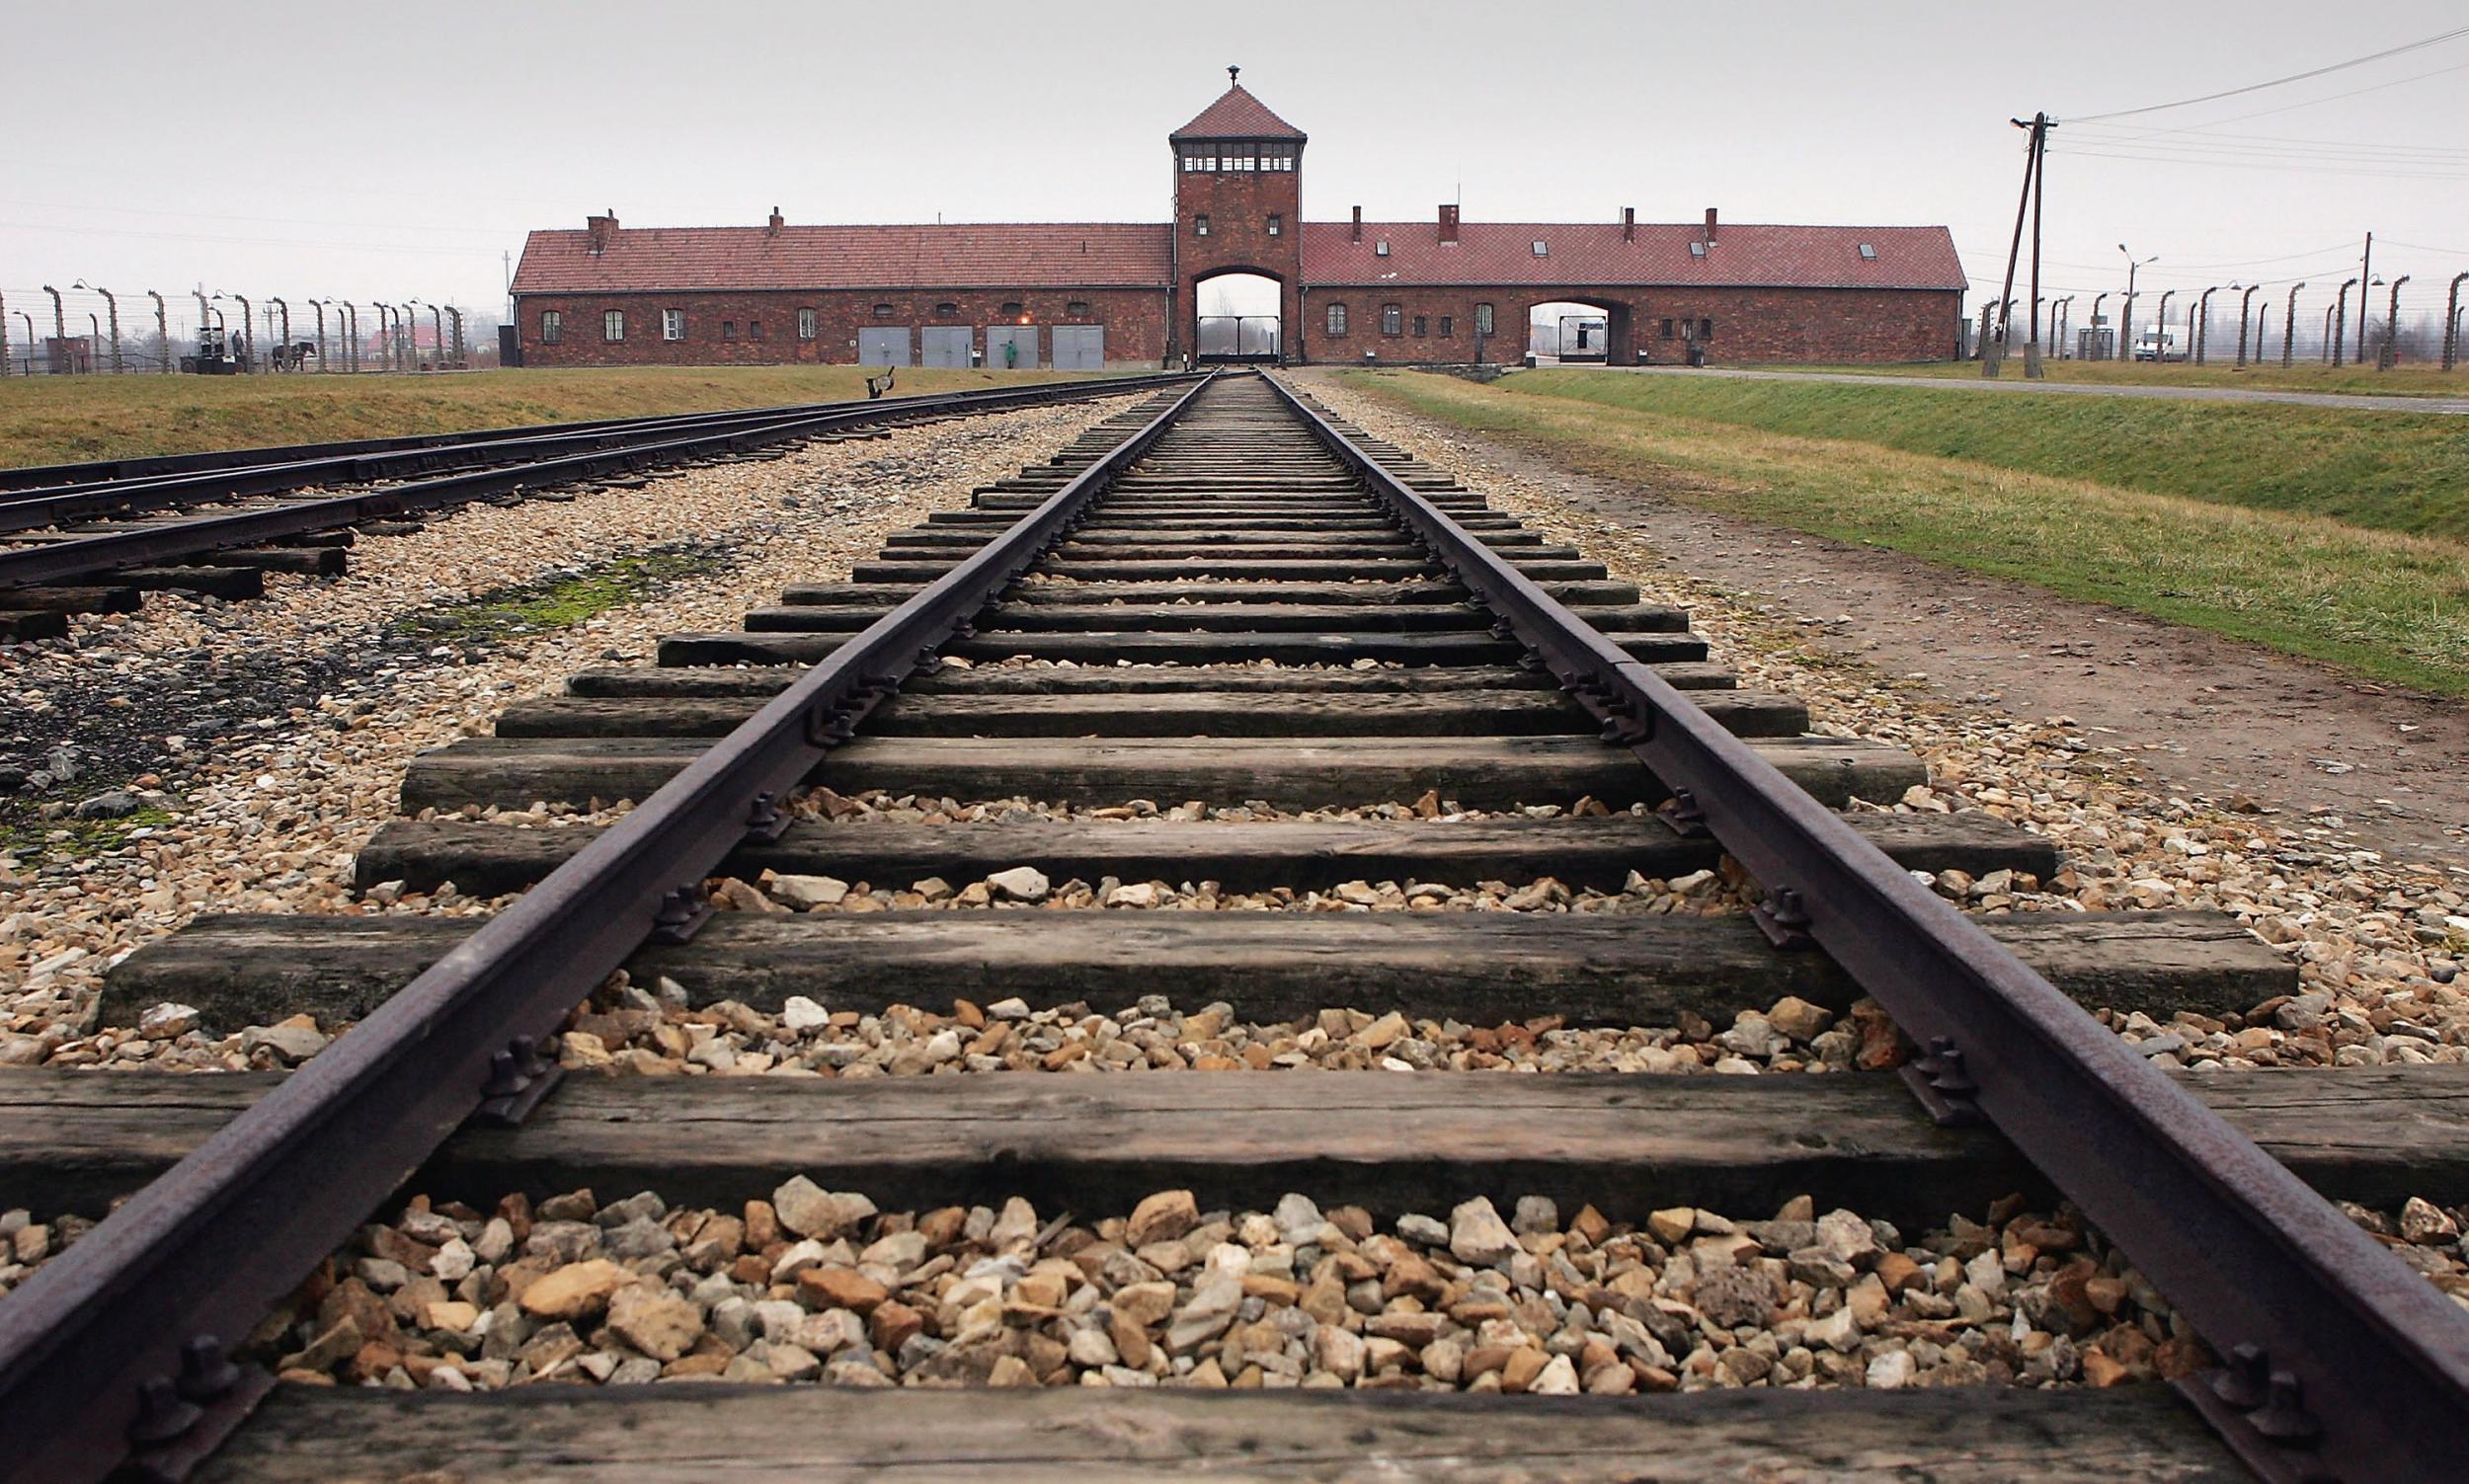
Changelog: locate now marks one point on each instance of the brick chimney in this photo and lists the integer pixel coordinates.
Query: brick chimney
(1710, 223)
(1629, 224)
(773, 230)
(1357, 234)
(601, 228)
(1449, 223)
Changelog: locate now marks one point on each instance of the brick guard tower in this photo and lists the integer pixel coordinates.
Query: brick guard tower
(1237, 208)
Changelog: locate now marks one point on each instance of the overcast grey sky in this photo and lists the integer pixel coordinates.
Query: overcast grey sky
(390, 152)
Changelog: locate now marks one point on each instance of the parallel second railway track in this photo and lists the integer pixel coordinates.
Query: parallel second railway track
(1240, 599)
(78, 538)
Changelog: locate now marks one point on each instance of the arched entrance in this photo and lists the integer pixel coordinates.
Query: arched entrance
(1239, 319)
(1578, 331)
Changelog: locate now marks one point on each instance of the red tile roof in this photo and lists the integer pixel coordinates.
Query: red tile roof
(1236, 114)
(1582, 253)
(1002, 255)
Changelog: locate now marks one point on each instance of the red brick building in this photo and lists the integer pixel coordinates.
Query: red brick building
(1079, 295)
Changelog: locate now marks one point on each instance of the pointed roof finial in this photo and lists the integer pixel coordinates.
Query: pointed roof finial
(1232, 74)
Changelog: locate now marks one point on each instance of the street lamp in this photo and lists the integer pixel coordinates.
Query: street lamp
(2391, 329)
(113, 305)
(2245, 306)
(2125, 316)
(2289, 327)
(2340, 323)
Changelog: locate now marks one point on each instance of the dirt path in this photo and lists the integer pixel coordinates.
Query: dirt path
(2381, 767)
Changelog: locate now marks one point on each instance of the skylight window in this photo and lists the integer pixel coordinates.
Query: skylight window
(1543, 248)
(1696, 250)
(1381, 248)
(1868, 252)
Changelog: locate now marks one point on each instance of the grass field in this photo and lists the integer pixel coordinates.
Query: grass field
(50, 420)
(2393, 471)
(2304, 376)
(2387, 605)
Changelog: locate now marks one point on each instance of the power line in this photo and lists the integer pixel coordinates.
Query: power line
(2421, 43)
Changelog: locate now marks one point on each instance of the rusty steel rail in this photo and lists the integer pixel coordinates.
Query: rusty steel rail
(112, 1351)
(41, 479)
(2342, 1362)
(604, 453)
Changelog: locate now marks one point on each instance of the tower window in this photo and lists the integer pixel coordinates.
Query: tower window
(1200, 225)
(1277, 225)
(1337, 319)
(1391, 318)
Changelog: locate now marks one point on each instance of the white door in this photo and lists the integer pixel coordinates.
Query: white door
(883, 346)
(1080, 348)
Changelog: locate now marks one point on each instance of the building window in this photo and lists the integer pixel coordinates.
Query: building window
(613, 324)
(1390, 319)
(1277, 225)
(1200, 157)
(1667, 328)
(1381, 248)
(1011, 309)
(806, 325)
(1422, 327)
(1482, 319)
(552, 327)
(1200, 225)
(1278, 157)
(883, 311)
(1706, 329)
(1542, 248)
(1688, 329)
(946, 310)
(1078, 310)
(753, 328)
(1868, 252)
(1696, 250)
(728, 330)
(1448, 328)
(1337, 319)
(672, 324)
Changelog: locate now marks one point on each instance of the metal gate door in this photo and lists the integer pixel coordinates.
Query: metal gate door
(883, 346)
(1238, 337)
(1080, 348)
(1023, 337)
(945, 345)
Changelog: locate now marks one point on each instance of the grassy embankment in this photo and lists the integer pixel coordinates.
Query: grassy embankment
(48, 420)
(2338, 536)
(2304, 376)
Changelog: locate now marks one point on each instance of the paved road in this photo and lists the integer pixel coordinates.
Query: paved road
(2015, 382)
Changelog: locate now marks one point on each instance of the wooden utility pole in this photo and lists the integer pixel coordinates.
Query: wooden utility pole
(2028, 203)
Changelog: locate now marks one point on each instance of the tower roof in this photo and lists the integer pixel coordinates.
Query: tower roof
(1236, 114)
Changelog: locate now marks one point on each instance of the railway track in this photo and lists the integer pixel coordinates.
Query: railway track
(84, 538)
(1225, 596)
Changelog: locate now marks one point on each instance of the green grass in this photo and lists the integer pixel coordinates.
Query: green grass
(560, 602)
(31, 841)
(2393, 471)
(2304, 376)
(2393, 608)
(52, 420)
